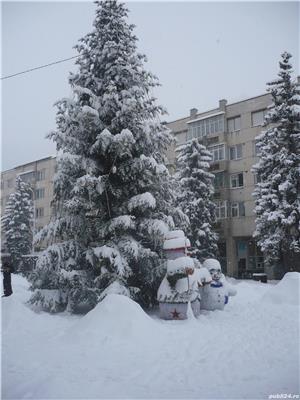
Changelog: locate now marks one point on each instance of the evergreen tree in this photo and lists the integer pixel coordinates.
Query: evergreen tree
(17, 223)
(277, 196)
(196, 198)
(112, 192)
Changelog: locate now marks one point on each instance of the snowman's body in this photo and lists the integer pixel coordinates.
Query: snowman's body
(215, 295)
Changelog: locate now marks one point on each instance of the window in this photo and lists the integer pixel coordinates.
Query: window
(221, 209)
(237, 209)
(237, 180)
(257, 179)
(10, 183)
(39, 212)
(234, 124)
(236, 152)
(219, 180)
(40, 175)
(28, 176)
(258, 117)
(2, 184)
(256, 149)
(40, 193)
(204, 127)
(218, 152)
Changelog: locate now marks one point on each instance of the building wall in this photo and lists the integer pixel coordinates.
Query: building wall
(40, 176)
(239, 253)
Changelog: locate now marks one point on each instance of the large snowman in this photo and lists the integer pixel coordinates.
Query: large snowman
(215, 295)
(182, 280)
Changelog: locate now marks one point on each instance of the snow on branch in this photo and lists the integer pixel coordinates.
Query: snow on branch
(142, 202)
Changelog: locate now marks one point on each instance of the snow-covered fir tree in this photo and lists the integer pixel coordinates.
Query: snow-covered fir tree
(196, 198)
(277, 196)
(112, 191)
(17, 223)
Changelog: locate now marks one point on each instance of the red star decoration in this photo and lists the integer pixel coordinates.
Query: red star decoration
(175, 314)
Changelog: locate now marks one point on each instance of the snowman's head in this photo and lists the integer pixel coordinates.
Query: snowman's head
(214, 268)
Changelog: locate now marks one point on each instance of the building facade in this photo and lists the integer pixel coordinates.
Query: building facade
(39, 174)
(229, 131)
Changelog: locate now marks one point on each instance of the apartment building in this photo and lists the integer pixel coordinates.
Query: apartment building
(230, 131)
(39, 174)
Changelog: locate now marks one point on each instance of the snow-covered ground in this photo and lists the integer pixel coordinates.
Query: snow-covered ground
(250, 350)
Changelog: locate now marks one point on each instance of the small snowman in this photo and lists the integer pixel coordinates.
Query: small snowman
(215, 295)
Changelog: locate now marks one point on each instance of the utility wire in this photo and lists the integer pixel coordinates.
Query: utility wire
(42, 66)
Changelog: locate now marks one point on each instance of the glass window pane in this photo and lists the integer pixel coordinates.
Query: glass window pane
(241, 180)
(237, 123)
(207, 127)
(203, 128)
(239, 151)
(257, 118)
(230, 125)
(222, 153)
(232, 153)
(221, 124)
(241, 209)
(234, 209)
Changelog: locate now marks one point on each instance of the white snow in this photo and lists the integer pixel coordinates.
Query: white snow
(177, 243)
(203, 275)
(142, 201)
(174, 234)
(179, 265)
(249, 350)
(286, 292)
(90, 110)
(211, 263)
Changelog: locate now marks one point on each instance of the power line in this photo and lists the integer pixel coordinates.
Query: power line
(42, 66)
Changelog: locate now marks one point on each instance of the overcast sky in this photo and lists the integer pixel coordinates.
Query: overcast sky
(201, 52)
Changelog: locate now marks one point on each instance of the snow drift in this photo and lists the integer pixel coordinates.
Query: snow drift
(286, 291)
(118, 318)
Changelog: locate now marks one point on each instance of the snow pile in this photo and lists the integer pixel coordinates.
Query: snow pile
(117, 317)
(287, 291)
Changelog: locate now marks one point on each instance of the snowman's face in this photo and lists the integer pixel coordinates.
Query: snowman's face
(215, 273)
